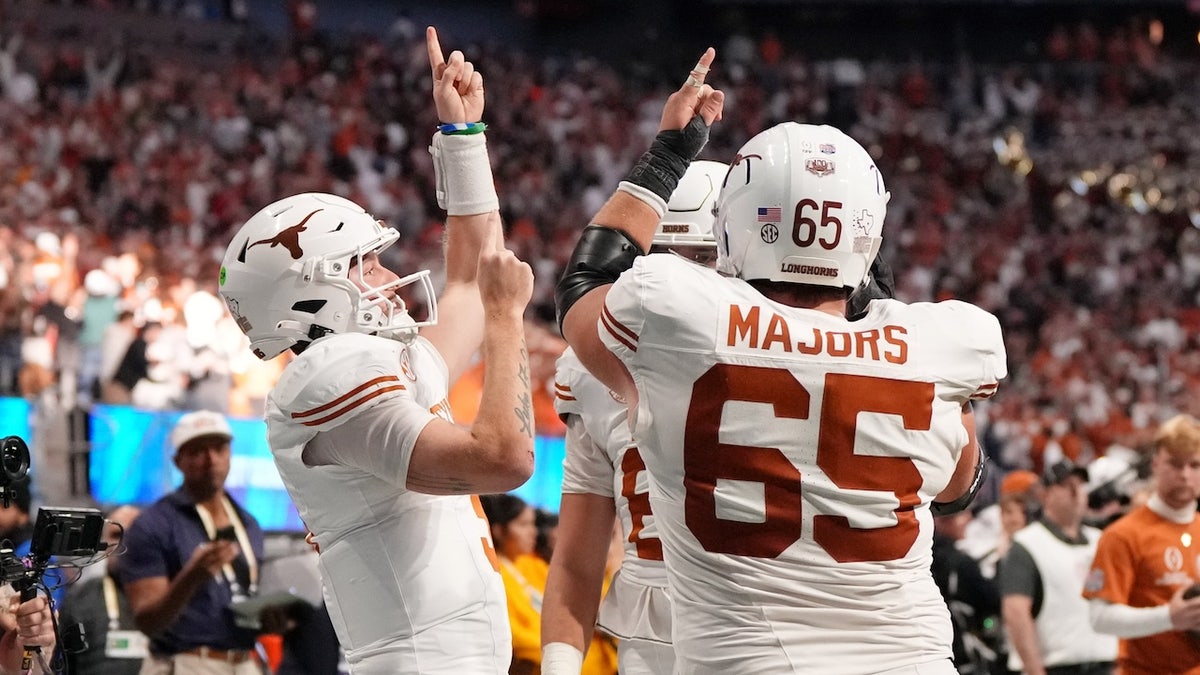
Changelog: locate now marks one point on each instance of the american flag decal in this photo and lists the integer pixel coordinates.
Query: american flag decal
(769, 214)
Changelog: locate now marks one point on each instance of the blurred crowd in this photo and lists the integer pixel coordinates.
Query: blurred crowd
(1058, 193)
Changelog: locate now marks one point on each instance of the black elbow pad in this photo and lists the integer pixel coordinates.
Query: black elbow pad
(601, 255)
(961, 504)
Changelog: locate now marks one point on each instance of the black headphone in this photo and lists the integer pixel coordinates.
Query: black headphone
(14, 465)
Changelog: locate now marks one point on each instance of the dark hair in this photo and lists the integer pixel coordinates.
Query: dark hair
(502, 509)
(802, 295)
(546, 521)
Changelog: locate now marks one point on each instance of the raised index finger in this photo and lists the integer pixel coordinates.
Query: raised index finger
(696, 78)
(435, 48)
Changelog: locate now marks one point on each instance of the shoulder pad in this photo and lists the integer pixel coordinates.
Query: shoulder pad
(981, 333)
(578, 392)
(337, 377)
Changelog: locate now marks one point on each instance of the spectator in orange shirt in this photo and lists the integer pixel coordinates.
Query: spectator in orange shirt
(1146, 560)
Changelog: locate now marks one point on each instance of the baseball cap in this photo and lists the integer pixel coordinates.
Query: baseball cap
(1059, 471)
(200, 423)
(1017, 482)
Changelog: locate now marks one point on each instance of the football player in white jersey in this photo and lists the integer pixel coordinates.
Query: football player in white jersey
(794, 455)
(358, 422)
(604, 478)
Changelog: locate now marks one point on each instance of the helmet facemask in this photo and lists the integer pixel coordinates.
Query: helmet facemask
(383, 315)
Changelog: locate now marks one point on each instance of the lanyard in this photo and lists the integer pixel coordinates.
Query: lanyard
(111, 606)
(242, 538)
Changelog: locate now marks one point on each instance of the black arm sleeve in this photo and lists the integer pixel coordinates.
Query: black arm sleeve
(960, 504)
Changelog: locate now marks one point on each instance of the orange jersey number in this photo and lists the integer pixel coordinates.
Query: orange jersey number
(706, 460)
(488, 549)
(648, 548)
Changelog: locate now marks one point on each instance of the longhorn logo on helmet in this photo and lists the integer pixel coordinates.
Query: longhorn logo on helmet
(288, 238)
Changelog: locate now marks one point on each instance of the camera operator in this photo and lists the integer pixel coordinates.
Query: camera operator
(25, 624)
(192, 555)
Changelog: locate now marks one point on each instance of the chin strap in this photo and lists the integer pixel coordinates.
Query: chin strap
(403, 334)
(960, 504)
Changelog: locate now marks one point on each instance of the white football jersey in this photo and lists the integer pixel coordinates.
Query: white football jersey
(793, 457)
(410, 579)
(602, 460)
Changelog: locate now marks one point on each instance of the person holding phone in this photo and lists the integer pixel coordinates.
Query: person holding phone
(192, 556)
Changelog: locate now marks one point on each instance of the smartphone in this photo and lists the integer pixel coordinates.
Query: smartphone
(226, 533)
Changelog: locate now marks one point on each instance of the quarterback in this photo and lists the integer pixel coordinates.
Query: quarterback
(358, 422)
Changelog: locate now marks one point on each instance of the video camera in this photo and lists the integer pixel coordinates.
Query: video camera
(14, 464)
(58, 531)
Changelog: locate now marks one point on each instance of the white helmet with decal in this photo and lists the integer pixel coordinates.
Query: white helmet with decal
(803, 204)
(288, 276)
(690, 214)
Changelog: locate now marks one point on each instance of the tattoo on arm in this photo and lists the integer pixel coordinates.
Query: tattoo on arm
(524, 409)
(446, 483)
(525, 414)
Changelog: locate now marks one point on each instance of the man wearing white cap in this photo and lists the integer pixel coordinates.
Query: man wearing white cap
(191, 555)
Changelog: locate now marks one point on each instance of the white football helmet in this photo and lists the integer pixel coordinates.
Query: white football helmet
(287, 275)
(803, 204)
(689, 217)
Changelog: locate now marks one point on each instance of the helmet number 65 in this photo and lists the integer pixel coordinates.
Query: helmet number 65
(804, 229)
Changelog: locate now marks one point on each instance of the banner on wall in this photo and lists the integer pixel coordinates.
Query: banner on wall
(14, 418)
(131, 464)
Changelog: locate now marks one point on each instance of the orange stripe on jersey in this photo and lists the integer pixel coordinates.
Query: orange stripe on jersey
(985, 391)
(564, 397)
(353, 404)
(563, 391)
(618, 331)
(339, 400)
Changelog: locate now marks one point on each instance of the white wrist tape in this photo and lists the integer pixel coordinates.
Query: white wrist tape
(560, 658)
(652, 200)
(463, 174)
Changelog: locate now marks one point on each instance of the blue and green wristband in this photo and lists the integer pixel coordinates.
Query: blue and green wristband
(462, 128)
